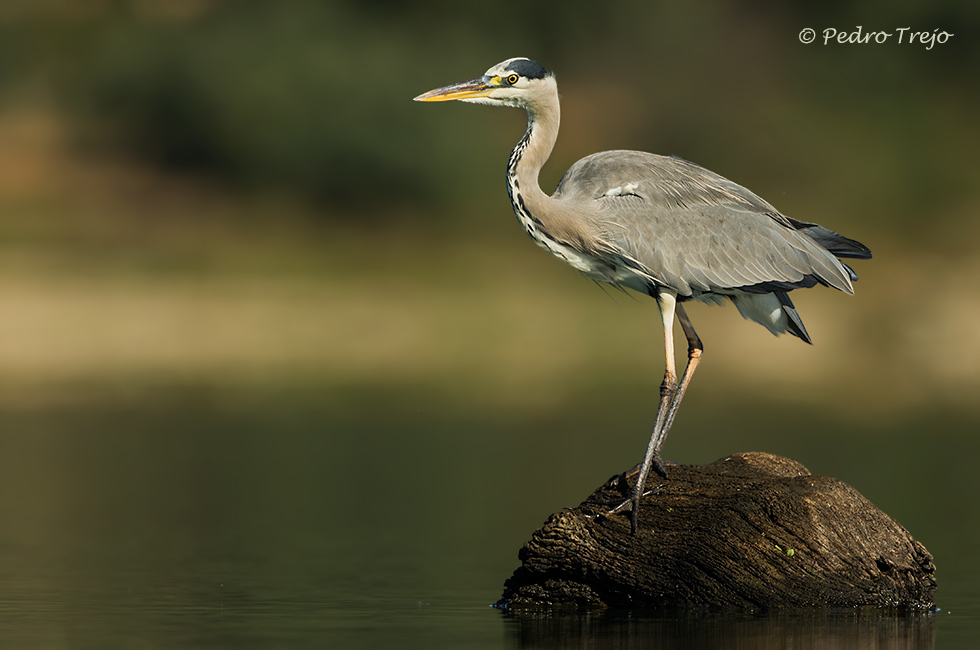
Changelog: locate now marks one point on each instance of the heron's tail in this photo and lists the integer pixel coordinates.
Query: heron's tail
(775, 311)
(794, 324)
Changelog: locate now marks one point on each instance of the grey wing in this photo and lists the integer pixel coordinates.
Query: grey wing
(695, 231)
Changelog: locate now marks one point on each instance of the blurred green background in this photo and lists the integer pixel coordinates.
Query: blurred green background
(233, 248)
(209, 198)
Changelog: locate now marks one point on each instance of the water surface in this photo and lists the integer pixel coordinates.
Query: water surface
(301, 525)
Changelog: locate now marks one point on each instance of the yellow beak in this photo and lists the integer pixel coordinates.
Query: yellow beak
(462, 90)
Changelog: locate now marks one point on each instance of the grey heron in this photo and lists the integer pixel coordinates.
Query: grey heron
(659, 225)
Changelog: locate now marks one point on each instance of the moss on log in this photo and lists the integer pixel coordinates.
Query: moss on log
(752, 531)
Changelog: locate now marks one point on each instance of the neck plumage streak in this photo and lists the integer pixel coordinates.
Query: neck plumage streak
(533, 226)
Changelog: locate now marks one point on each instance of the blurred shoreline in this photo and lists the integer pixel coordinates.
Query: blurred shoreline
(120, 283)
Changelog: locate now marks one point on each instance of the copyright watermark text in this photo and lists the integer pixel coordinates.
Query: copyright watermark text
(901, 35)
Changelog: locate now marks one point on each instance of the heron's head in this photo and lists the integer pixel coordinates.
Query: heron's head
(518, 82)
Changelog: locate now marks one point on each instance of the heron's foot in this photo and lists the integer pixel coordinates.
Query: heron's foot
(629, 502)
(658, 466)
(624, 502)
(620, 482)
(631, 499)
(631, 495)
(618, 502)
(632, 503)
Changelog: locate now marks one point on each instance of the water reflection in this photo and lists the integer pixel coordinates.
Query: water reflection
(816, 630)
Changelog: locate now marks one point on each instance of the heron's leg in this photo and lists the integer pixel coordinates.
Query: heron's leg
(668, 389)
(651, 459)
(669, 404)
(694, 350)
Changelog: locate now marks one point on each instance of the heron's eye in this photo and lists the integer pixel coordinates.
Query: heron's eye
(513, 79)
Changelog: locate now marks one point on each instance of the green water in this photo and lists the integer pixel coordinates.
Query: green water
(384, 525)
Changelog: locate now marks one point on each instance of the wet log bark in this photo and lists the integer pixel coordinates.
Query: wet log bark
(752, 531)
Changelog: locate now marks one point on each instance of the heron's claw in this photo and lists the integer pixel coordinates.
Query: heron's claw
(631, 495)
(630, 502)
(619, 482)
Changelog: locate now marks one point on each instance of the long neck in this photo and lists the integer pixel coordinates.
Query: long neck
(526, 161)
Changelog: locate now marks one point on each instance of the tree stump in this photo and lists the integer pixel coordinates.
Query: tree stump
(753, 531)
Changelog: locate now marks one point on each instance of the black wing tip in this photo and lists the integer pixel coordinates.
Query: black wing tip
(857, 251)
(834, 242)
